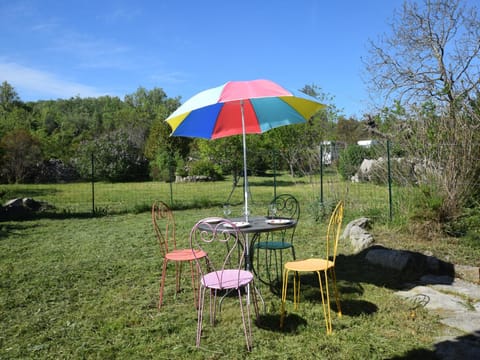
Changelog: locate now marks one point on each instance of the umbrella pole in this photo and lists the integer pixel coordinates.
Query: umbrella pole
(245, 178)
(245, 196)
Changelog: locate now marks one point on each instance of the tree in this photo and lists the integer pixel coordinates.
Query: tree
(117, 157)
(349, 131)
(8, 96)
(20, 152)
(226, 152)
(298, 145)
(433, 54)
(165, 152)
(430, 63)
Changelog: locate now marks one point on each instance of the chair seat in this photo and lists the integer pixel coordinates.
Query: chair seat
(184, 255)
(230, 279)
(309, 265)
(273, 245)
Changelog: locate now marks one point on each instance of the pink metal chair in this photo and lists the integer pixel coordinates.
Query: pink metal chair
(164, 226)
(224, 270)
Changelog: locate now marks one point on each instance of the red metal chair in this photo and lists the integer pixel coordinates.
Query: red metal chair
(164, 226)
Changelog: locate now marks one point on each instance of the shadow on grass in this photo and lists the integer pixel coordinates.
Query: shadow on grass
(5, 229)
(271, 322)
(355, 307)
(10, 224)
(271, 183)
(27, 192)
(355, 269)
(461, 347)
(52, 215)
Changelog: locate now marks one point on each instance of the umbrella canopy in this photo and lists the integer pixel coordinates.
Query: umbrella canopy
(239, 108)
(217, 112)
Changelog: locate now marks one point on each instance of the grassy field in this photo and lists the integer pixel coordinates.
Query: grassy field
(115, 198)
(73, 287)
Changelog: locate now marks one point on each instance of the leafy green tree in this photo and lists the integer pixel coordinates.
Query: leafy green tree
(165, 151)
(116, 158)
(349, 131)
(20, 153)
(8, 96)
(226, 153)
(298, 145)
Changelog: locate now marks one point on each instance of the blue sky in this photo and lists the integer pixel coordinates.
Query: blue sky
(59, 49)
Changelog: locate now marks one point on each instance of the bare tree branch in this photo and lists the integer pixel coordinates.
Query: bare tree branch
(432, 53)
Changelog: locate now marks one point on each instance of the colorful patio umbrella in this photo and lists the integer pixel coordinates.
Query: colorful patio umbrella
(240, 108)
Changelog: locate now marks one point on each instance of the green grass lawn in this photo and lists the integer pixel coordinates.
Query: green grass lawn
(117, 198)
(88, 288)
(75, 286)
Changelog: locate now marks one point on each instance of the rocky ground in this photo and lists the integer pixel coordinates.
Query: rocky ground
(457, 303)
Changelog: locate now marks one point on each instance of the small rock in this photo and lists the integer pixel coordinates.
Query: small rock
(360, 238)
(469, 273)
(356, 231)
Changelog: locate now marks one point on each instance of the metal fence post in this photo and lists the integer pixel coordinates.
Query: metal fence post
(274, 174)
(171, 174)
(321, 174)
(93, 184)
(389, 181)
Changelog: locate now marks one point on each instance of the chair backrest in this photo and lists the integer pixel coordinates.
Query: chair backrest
(286, 206)
(333, 231)
(164, 226)
(224, 245)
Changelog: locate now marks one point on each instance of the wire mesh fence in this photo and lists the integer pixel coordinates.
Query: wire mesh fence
(371, 186)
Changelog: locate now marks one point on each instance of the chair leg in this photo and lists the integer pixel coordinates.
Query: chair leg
(278, 265)
(178, 275)
(337, 296)
(329, 313)
(326, 309)
(284, 297)
(256, 292)
(296, 290)
(213, 306)
(246, 330)
(201, 302)
(162, 283)
(194, 273)
(268, 263)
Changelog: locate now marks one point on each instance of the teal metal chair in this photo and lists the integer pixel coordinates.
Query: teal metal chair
(268, 250)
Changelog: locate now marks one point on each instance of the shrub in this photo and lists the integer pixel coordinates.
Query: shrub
(468, 224)
(19, 153)
(350, 159)
(54, 171)
(117, 158)
(205, 168)
(402, 173)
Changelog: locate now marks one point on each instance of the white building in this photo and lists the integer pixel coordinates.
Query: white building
(367, 143)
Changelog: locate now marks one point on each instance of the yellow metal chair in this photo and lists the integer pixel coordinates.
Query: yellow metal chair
(317, 265)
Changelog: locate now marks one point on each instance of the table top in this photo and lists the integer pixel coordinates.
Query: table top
(260, 224)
